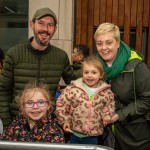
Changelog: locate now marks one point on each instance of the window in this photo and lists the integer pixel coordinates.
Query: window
(133, 39)
(14, 23)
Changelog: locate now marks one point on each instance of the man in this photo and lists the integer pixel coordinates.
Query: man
(80, 52)
(36, 59)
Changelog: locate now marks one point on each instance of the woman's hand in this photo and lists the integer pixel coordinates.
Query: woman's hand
(106, 120)
(114, 118)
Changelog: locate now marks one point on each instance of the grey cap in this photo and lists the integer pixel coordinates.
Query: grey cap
(43, 12)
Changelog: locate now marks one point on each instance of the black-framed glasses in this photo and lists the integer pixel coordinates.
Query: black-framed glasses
(39, 103)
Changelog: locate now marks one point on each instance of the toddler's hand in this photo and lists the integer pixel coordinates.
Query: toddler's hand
(66, 127)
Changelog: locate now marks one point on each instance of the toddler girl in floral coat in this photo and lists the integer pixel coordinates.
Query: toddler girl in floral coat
(86, 105)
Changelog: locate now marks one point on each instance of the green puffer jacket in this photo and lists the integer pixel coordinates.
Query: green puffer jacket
(24, 63)
(132, 88)
(77, 69)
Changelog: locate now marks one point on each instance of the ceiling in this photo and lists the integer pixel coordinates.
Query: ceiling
(13, 7)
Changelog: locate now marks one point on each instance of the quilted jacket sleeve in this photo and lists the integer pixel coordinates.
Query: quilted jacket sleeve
(6, 89)
(68, 73)
(141, 105)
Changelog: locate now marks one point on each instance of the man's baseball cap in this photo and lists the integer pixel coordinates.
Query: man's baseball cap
(44, 12)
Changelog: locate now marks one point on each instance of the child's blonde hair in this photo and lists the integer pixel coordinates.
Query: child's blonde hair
(96, 63)
(34, 85)
(108, 27)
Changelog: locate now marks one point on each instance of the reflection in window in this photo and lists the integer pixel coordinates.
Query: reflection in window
(14, 23)
(133, 39)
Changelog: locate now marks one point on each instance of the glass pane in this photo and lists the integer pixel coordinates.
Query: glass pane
(13, 23)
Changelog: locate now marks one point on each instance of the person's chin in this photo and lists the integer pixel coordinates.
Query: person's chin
(36, 117)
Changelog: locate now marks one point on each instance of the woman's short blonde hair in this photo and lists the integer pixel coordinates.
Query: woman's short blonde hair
(108, 27)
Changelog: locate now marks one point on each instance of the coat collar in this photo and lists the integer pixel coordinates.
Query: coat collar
(36, 51)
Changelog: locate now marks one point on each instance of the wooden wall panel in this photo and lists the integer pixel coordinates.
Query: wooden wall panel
(115, 13)
(133, 12)
(109, 11)
(78, 22)
(146, 10)
(127, 14)
(96, 12)
(121, 13)
(90, 25)
(127, 11)
(84, 21)
(138, 45)
(102, 11)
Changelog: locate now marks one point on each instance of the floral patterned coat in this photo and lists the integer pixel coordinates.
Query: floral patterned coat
(85, 115)
(45, 130)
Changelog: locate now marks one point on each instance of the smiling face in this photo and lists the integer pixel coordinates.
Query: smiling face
(43, 29)
(107, 47)
(91, 75)
(35, 113)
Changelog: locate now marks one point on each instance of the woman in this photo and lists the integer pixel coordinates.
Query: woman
(130, 82)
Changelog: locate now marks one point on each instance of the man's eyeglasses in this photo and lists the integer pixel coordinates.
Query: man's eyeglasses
(39, 103)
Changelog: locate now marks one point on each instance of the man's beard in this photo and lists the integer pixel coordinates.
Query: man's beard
(41, 43)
